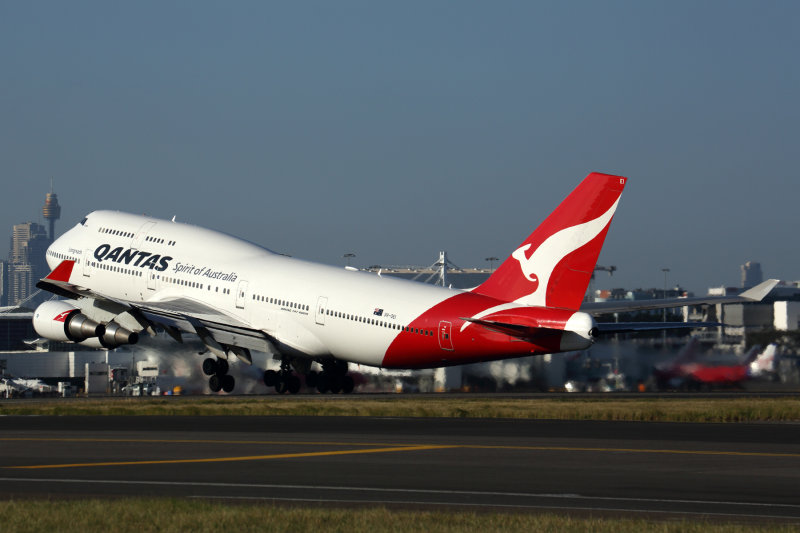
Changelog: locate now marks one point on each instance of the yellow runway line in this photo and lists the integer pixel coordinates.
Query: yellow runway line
(232, 459)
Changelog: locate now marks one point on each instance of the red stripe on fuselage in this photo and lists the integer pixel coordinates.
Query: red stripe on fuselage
(412, 349)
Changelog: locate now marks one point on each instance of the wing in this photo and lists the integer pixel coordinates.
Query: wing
(756, 294)
(218, 331)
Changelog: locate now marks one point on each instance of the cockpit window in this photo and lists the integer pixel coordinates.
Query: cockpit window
(83, 222)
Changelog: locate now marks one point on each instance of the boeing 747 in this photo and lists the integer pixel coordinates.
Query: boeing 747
(125, 275)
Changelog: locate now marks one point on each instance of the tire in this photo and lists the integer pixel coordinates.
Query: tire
(311, 379)
(282, 387)
(336, 384)
(323, 383)
(222, 367)
(214, 383)
(228, 383)
(209, 367)
(271, 378)
(293, 384)
(348, 384)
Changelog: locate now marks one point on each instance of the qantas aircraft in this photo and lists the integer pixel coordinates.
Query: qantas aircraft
(127, 274)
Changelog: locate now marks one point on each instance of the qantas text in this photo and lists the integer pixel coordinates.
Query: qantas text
(140, 259)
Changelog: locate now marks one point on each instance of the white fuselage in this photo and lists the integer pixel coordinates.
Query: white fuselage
(315, 309)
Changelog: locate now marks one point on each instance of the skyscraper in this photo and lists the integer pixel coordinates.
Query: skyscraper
(751, 274)
(29, 242)
(3, 283)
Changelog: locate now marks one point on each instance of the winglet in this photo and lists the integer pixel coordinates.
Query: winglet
(758, 292)
(62, 272)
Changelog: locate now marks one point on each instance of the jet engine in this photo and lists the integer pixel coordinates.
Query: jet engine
(59, 321)
(115, 335)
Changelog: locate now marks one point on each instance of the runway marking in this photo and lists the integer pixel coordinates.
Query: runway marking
(636, 450)
(232, 459)
(202, 441)
(399, 446)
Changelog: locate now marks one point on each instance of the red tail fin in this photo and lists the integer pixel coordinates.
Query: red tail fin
(553, 266)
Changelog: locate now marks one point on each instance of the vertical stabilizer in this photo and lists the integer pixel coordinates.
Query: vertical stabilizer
(554, 265)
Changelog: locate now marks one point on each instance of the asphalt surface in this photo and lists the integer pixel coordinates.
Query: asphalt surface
(722, 471)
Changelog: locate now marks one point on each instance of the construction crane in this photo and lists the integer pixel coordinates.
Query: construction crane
(590, 290)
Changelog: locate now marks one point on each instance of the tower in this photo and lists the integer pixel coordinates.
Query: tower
(751, 274)
(51, 211)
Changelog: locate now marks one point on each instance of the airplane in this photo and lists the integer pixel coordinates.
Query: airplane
(766, 364)
(686, 372)
(127, 274)
(20, 387)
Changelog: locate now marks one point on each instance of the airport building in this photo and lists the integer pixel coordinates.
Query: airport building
(614, 365)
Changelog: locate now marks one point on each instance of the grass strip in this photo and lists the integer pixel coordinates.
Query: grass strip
(168, 515)
(717, 410)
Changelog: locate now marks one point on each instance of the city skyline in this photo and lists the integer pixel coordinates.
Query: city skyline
(397, 131)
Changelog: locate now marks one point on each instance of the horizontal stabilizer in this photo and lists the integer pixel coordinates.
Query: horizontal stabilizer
(519, 331)
(608, 328)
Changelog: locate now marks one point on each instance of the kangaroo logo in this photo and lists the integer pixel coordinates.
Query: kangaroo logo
(526, 265)
(540, 265)
(61, 317)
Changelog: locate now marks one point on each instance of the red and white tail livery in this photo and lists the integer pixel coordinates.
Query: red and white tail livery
(127, 275)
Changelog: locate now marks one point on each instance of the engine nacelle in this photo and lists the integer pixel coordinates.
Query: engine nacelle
(59, 321)
(114, 335)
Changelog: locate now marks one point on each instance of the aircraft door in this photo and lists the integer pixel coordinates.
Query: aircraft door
(241, 292)
(151, 280)
(138, 238)
(87, 263)
(322, 305)
(445, 335)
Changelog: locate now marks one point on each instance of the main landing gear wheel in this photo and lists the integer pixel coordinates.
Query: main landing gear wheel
(283, 381)
(209, 367)
(227, 382)
(271, 378)
(218, 370)
(334, 378)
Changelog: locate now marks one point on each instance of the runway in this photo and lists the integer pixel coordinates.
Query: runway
(725, 471)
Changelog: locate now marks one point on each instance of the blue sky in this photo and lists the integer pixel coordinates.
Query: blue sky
(394, 130)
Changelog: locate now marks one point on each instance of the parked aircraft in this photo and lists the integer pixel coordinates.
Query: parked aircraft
(128, 274)
(687, 371)
(19, 387)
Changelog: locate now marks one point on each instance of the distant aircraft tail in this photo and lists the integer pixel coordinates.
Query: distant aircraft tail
(553, 266)
(765, 362)
(750, 355)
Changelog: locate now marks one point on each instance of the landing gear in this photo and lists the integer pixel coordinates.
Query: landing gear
(220, 379)
(283, 381)
(334, 378)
